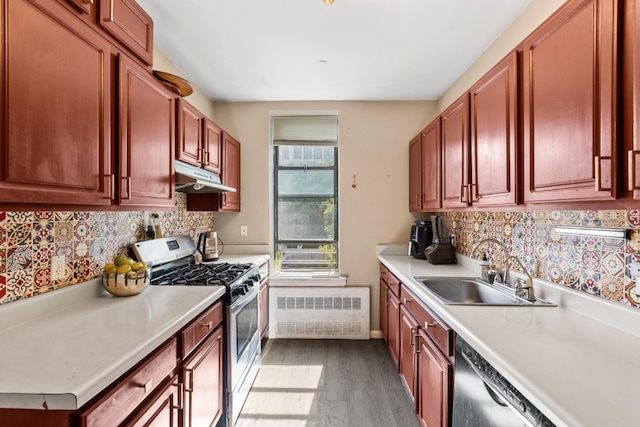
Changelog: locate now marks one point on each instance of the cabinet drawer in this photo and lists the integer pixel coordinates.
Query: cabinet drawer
(132, 389)
(394, 284)
(438, 331)
(384, 273)
(196, 331)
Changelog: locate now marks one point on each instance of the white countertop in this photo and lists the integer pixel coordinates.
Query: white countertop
(579, 363)
(62, 348)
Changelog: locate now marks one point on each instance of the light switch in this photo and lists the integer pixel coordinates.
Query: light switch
(244, 230)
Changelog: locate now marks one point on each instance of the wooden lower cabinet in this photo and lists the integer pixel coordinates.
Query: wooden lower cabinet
(384, 307)
(202, 376)
(393, 316)
(163, 410)
(435, 376)
(408, 361)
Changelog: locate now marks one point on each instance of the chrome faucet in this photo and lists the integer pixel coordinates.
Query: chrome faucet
(523, 286)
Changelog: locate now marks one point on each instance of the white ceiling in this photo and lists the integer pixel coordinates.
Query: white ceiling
(271, 50)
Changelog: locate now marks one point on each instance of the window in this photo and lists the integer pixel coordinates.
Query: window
(305, 158)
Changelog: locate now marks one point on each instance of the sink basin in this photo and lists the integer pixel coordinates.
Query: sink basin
(466, 291)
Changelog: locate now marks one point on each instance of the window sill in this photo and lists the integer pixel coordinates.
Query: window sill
(306, 280)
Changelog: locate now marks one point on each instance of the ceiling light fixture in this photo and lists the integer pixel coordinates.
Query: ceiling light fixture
(327, 2)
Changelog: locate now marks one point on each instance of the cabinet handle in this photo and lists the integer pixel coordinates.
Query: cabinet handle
(110, 17)
(189, 389)
(413, 335)
(208, 157)
(224, 199)
(464, 193)
(128, 197)
(112, 186)
(632, 168)
(180, 405)
(597, 172)
(88, 1)
(473, 189)
(417, 341)
(208, 325)
(406, 300)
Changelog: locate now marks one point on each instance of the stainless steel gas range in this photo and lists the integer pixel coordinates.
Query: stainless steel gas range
(172, 263)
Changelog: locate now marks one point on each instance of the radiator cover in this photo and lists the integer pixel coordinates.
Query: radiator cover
(322, 313)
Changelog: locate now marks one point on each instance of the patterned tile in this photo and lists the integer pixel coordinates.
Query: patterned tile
(612, 288)
(629, 294)
(63, 231)
(19, 234)
(80, 230)
(3, 260)
(82, 269)
(42, 254)
(633, 218)
(3, 287)
(20, 284)
(613, 264)
(43, 232)
(42, 277)
(20, 217)
(614, 219)
(18, 258)
(633, 243)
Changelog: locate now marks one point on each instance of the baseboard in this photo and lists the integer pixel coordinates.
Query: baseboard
(376, 335)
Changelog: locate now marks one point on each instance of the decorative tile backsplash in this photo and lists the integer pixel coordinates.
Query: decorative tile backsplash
(28, 240)
(595, 265)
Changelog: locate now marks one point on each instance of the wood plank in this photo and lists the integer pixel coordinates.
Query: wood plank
(327, 383)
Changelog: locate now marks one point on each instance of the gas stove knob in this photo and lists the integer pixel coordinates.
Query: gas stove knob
(255, 278)
(248, 284)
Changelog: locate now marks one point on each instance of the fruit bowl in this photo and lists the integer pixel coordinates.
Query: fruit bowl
(126, 284)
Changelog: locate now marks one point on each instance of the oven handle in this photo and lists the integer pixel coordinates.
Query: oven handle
(244, 300)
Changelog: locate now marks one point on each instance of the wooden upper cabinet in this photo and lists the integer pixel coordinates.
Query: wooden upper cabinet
(455, 154)
(431, 166)
(415, 174)
(212, 146)
(425, 169)
(146, 138)
(494, 136)
(631, 99)
(569, 90)
(56, 108)
(190, 126)
(128, 23)
(230, 173)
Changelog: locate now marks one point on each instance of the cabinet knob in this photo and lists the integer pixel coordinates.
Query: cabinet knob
(406, 300)
(148, 386)
(428, 325)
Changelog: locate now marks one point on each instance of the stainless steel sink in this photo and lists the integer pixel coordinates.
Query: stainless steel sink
(466, 291)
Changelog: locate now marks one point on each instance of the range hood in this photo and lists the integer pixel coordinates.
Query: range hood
(192, 179)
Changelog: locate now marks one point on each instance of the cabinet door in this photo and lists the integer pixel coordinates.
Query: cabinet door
(569, 89)
(190, 127)
(264, 308)
(415, 174)
(384, 308)
(431, 166)
(434, 384)
(212, 146)
(230, 173)
(162, 410)
(455, 154)
(494, 136)
(56, 102)
(393, 317)
(631, 59)
(202, 376)
(408, 367)
(146, 135)
(128, 23)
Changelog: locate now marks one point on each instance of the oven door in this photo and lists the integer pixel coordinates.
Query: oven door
(244, 342)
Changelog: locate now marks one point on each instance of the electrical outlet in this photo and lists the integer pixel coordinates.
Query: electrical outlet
(58, 267)
(244, 230)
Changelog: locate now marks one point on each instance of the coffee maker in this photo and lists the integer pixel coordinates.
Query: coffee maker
(420, 239)
(441, 251)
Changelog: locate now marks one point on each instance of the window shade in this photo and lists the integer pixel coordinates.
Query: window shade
(300, 130)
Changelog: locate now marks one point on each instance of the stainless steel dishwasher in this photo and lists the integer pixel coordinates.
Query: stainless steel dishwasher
(482, 397)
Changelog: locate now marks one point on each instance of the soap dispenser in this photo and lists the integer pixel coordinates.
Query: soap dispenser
(484, 267)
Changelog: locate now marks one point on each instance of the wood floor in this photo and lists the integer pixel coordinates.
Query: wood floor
(327, 383)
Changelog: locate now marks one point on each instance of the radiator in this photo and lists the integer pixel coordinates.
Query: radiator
(335, 313)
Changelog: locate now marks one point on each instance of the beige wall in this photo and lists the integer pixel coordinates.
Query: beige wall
(373, 146)
(529, 19)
